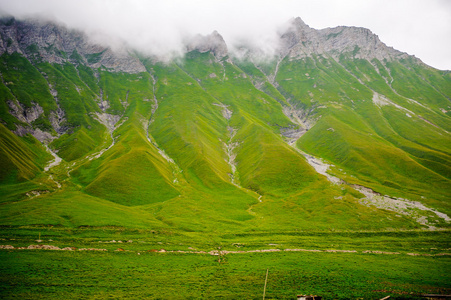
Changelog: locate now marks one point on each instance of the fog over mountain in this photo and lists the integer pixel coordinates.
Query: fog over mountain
(417, 27)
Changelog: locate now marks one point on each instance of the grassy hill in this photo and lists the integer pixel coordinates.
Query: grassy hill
(209, 141)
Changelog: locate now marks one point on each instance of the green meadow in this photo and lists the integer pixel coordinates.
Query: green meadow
(381, 264)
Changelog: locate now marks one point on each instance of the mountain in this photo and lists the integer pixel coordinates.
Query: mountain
(336, 131)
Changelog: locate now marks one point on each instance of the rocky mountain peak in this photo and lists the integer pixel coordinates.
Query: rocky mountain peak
(213, 42)
(300, 40)
(299, 23)
(297, 32)
(361, 42)
(55, 43)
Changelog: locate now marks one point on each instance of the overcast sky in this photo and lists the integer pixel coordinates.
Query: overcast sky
(418, 27)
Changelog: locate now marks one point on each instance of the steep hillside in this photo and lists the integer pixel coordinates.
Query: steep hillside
(214, 141)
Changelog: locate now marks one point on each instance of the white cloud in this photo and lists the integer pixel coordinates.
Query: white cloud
(418, 27)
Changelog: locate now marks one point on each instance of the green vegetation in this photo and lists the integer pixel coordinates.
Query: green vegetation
(140, 272)
(164, 158)
(21, 159)
(57, 275)
(94, 58)
(191, 155)
(25, 82)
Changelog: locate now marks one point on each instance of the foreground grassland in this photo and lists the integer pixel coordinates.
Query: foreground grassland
(195, 266)
(77, 275)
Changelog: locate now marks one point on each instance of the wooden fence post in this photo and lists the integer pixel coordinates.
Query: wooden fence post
(266, 280)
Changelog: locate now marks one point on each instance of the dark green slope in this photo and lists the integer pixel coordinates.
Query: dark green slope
(25, 82)
(21, 159)
(130, 173)
(189, 127)
(256, 119)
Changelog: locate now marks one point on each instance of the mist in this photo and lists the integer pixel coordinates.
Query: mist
(160, 27)
(421, 28)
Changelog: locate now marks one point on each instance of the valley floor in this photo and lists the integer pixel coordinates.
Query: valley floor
(150, 264)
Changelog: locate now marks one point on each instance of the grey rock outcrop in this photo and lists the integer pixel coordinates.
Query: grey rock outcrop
(302, 41)
(26, 115)
(55, 43)
(57, 120)
(40, 135)
(213, 42)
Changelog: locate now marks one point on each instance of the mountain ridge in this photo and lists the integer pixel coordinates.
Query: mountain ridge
(46, 33)
(358, 40)
(217, 140)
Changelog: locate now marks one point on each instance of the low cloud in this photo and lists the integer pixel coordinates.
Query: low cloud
(418, 27)
(158, 26)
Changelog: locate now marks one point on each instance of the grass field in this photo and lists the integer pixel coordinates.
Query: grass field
(141, 272)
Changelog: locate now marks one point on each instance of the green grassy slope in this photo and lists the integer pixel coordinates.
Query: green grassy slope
(22, 160)
(189, 127)
(197, 144)
(262, 156)
(394, 147)
(131, 172)
(18, 160)
(26, 82)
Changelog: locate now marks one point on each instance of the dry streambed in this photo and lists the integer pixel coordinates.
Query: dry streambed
(413, 209)
(217, 252)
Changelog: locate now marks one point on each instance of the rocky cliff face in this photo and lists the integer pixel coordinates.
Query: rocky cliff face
(213, 42)
(302, 41)
(54, 43)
